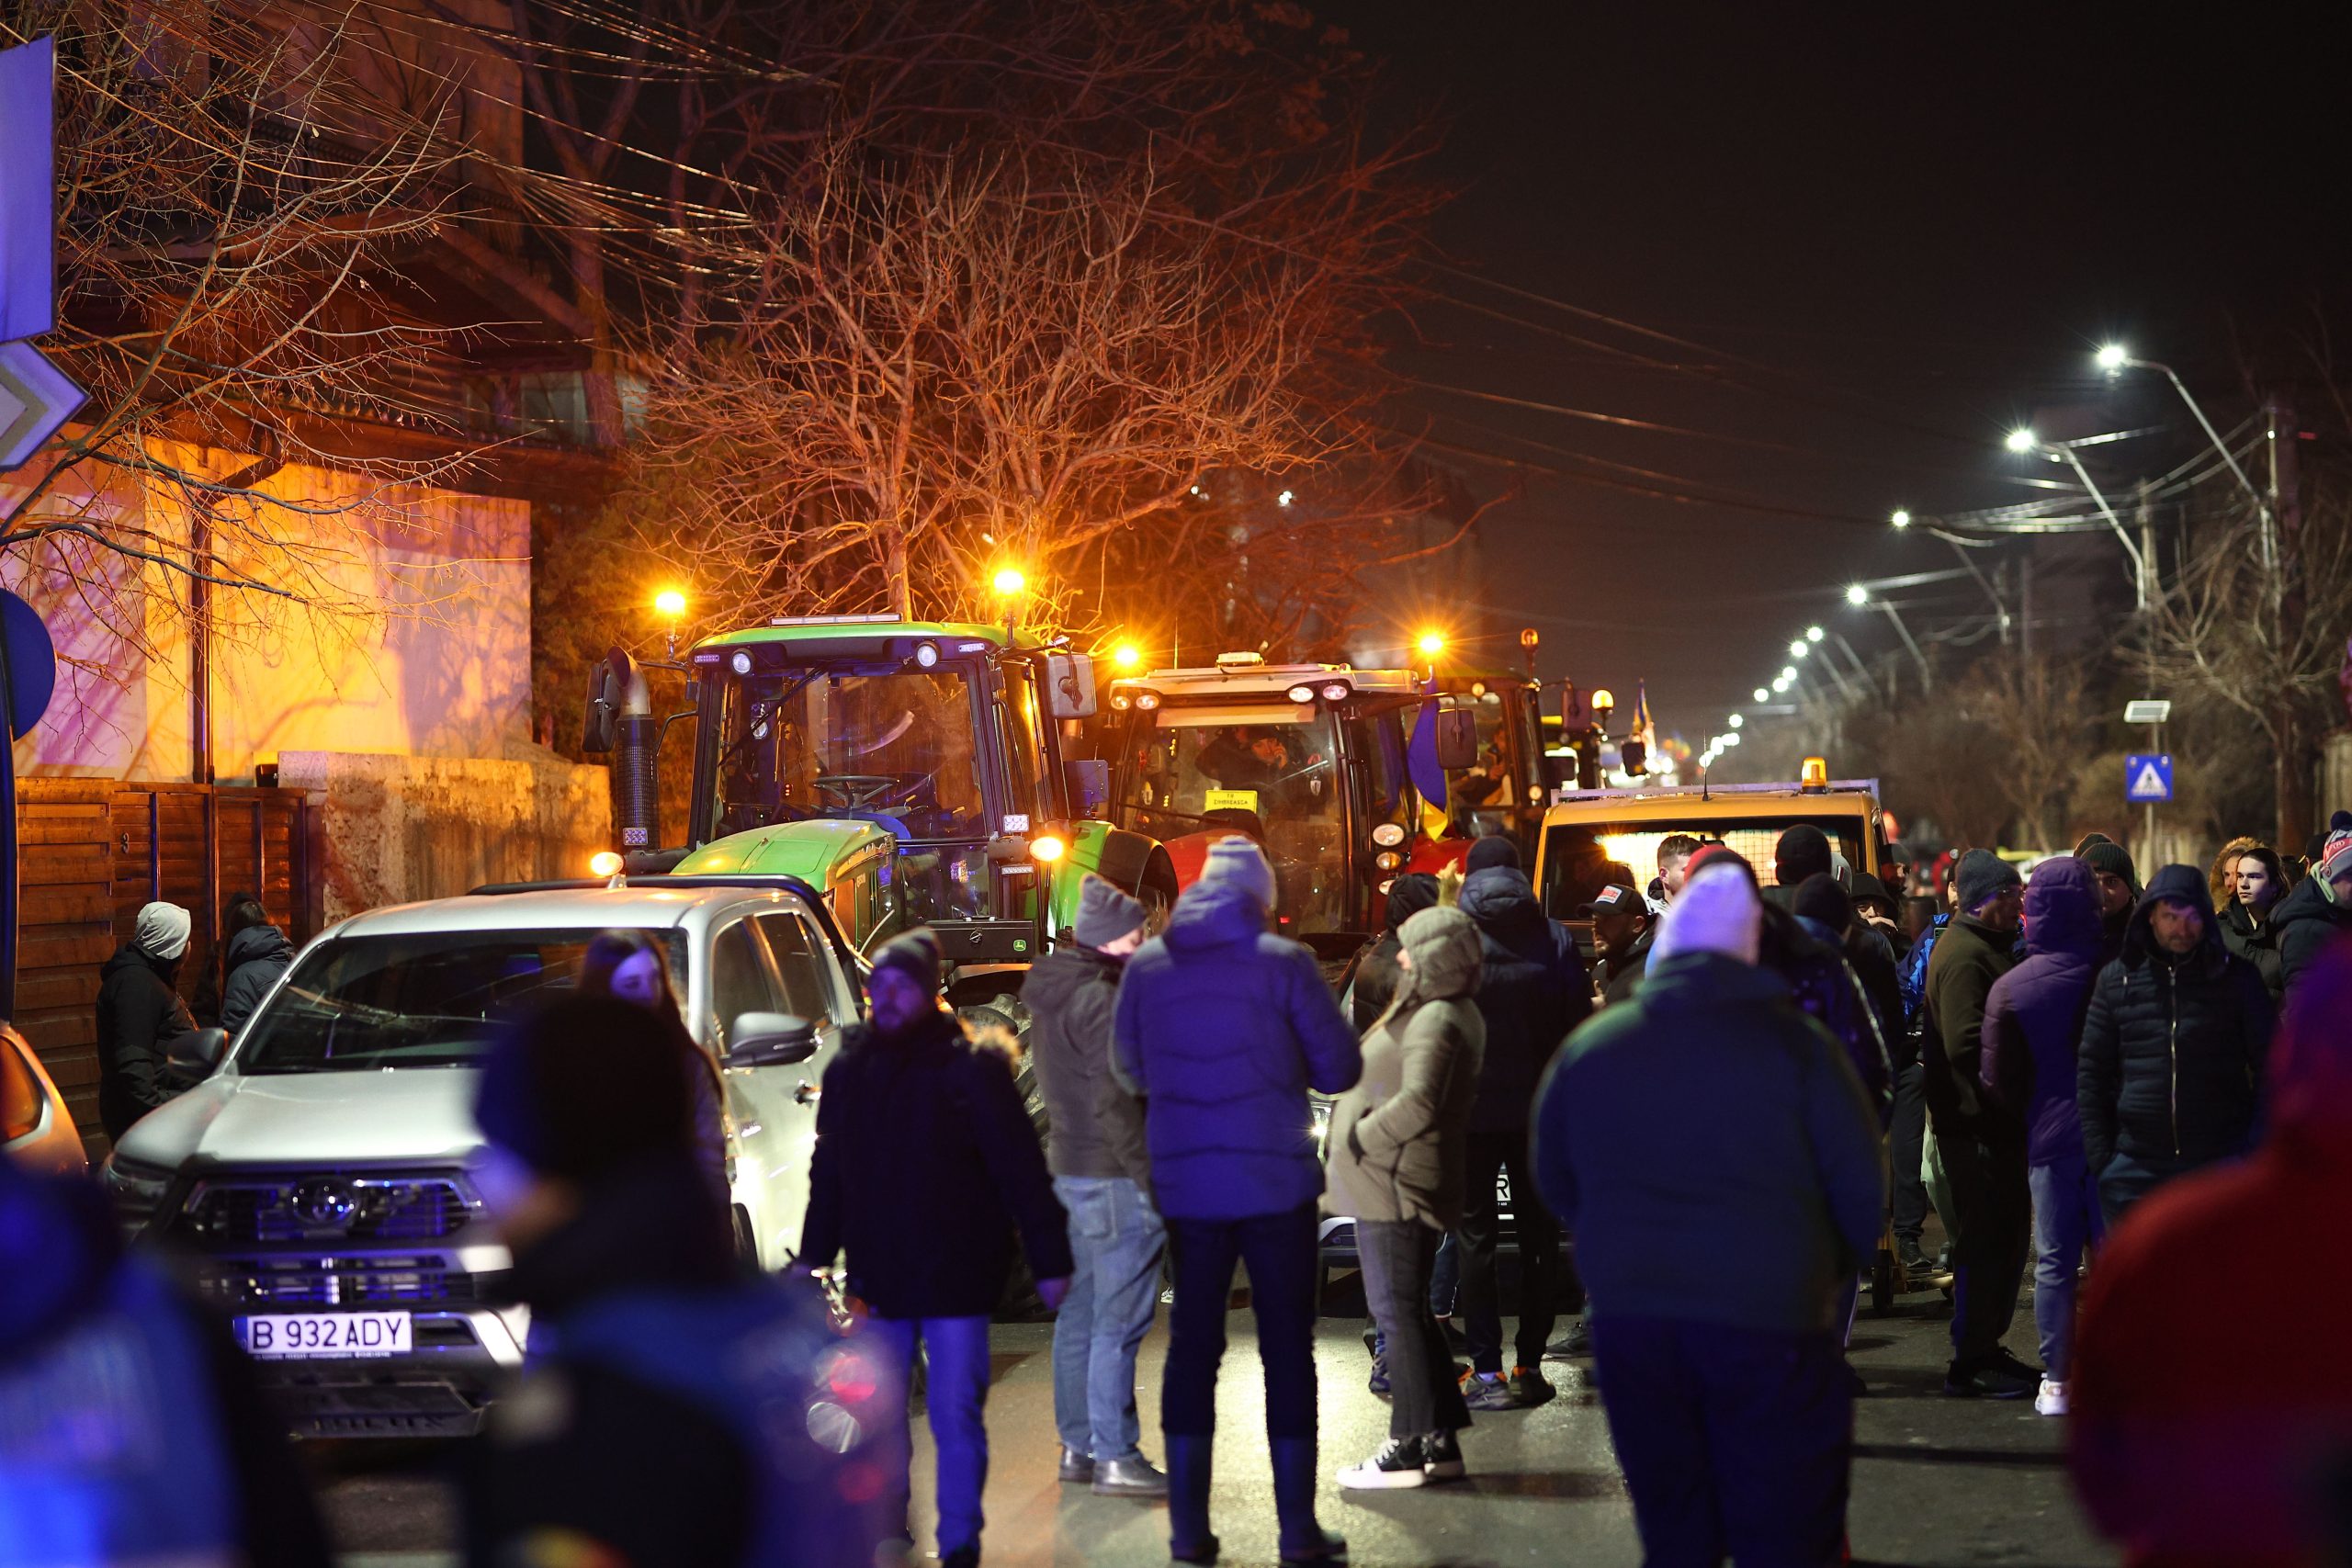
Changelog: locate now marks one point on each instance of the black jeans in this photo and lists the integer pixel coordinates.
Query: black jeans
(1992, 1240)
(1539, 1254)
(1396, 1258)
(1733, 1441)
(1281, 1252)
(1906, 1143)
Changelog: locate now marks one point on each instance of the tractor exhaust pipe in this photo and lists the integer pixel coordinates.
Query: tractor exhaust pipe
(620, 720)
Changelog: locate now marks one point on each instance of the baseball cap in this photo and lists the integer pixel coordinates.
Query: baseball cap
(1614, 900)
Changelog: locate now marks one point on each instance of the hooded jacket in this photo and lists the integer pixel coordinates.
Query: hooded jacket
(2189, 1459)
(1712, 1151)
(2173, 1047)
(1970, 956)
(2033, 1019)
(2304, 920)
(138, 1014)
(1223, 1028)
(1531, 994)
(1093, 1128)
(1827, 989)
(256, 956)
(1397, 1142)
(925, 1165)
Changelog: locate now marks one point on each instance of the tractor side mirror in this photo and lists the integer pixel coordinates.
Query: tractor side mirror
(1089, 780)
(1070, 678)
(1457, 739)
(1635, 756)
(599, 725)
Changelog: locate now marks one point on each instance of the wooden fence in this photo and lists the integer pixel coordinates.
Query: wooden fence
(93, 850)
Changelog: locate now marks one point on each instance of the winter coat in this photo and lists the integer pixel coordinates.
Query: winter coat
(2033, 1017)
(256, 956)
(1620, 976)
(1911, 980)
(2304, 920)
(1094, 1128)
(139, 1015)
(1223, 1028)
(1871, 955)
(1398, 1138)
(1827, 990)
(1713, 1152)
(2172, 1055)
(2257, 945)
(925, 1164)
(658, 1370)
(1970, 956)
(2210, 1459)
(1530, 995)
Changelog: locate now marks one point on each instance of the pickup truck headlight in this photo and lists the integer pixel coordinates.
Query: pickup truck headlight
(136, 1189)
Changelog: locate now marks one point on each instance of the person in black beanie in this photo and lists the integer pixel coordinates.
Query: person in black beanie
(1983, 1145)
(2118, 893)
(1377, 972)
(1802, 851)
(658, 1368)
(925, 1167)
(1494, 848)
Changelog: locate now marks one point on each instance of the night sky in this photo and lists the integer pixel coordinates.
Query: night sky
(1890, 245)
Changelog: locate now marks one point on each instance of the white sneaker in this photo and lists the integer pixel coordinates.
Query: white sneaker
(2052, 1400)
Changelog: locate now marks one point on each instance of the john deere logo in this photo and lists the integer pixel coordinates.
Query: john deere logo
(324, 1203)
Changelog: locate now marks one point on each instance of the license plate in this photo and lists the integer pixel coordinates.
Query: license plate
(320, 1335)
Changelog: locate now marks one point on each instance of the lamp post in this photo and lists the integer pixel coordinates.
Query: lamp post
(1860, 597)
(2023, 440)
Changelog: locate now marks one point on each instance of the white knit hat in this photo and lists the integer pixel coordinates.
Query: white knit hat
(163, 931)
(1717, 912)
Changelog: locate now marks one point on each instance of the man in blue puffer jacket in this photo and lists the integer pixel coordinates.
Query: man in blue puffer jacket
(2032, 1031)
(1223, 1028)
(2171, 1070)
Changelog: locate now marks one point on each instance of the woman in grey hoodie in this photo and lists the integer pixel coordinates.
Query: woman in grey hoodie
(1396, 1167)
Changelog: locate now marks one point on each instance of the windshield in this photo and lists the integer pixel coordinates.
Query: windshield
(888, 746)
(438, 1000)
(1269, 773)
(1578, 856)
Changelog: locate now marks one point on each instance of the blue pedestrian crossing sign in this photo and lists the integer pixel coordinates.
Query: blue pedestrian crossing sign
(2147, 776)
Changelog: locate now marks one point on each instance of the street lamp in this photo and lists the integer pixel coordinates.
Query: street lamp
(2023, 439)
(1901, 518)
(1739, 719)
(1856, 595)
(1860, 597)
(1813, 633)
(669, 605)
(1799, 648)
(2114, 358)
(1780, 684)
(1789, 673)
(1762, 696)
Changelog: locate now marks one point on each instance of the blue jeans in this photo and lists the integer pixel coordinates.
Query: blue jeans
(2066, 1220)
(1116, 1238)
(1281, 1252)
(955, 1391)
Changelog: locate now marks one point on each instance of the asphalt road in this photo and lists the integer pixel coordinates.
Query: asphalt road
(1937, 1480)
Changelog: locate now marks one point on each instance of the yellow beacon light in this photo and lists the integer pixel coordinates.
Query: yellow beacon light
(669, 604)
(1126, 656)
(1432, 643)
(1009, 580)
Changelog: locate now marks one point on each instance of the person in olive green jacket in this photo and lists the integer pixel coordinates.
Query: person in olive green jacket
(1397, 1160)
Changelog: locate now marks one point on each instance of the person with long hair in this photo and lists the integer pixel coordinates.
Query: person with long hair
(2257, 880)
(630, 967)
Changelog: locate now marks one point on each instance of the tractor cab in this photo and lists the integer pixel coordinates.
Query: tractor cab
(1504, 791)
(910, 771)
(1311, 760)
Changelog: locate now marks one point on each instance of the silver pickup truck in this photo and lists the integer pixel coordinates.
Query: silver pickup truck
(322, 1176)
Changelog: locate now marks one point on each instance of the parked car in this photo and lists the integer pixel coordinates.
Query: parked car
(36, 1130)
(322, 1175)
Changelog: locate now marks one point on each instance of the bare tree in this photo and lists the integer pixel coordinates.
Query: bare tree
(236, 187)
(2036, 715)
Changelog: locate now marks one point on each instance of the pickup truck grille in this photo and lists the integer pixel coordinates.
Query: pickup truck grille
(304, 1280)
(340, 1210)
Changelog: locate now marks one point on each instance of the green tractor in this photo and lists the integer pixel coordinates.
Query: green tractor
(910, 771)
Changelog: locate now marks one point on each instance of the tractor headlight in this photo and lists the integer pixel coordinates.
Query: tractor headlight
(740, 661)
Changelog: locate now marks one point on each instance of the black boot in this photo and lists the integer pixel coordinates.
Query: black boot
(1188, 1539)
(1302, 1542)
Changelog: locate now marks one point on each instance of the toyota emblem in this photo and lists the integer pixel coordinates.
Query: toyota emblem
(325, 1203)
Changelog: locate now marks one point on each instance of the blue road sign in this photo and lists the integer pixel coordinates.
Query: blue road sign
(31, 661)
(2147, 776)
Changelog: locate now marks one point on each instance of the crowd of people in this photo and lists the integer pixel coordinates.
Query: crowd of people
(1698, 1137)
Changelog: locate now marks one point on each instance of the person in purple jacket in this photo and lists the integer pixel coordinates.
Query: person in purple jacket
(2033, 1027)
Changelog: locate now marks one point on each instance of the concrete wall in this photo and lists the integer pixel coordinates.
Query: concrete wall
(391, 829)
(411, 631)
